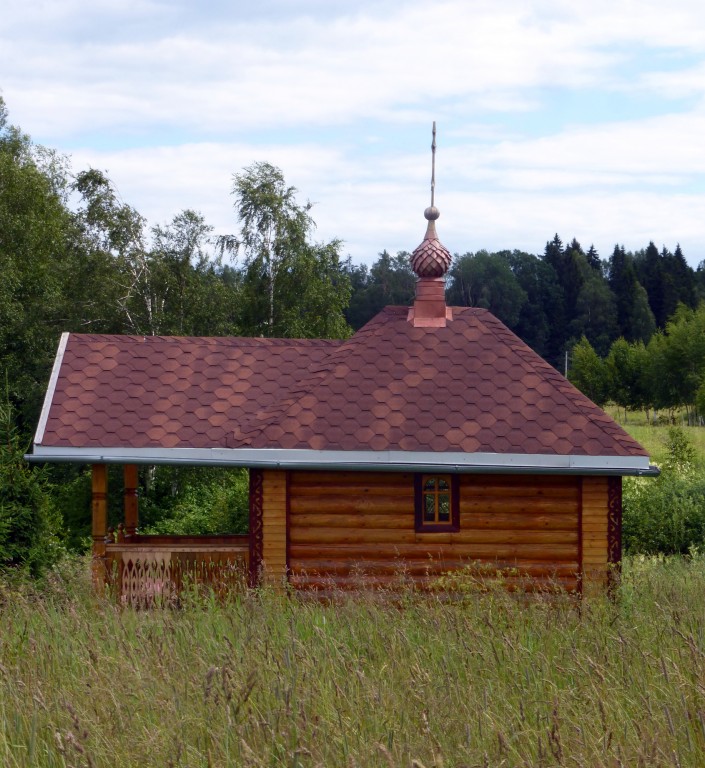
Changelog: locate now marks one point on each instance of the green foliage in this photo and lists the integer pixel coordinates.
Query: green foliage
(635, 319)
(541, 319)
(29, 526)
(290, 286)
(624, 376)
(700, 399)
(390, 281)
(595, 315)
(667, 515)
(198, 502)
(486, 280)
(34, 267)
(588, 372)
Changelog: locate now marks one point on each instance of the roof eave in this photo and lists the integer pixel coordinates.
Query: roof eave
(397, 461)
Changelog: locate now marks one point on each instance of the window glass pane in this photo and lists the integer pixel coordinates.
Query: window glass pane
(429, 508)
(429, 484)
(442, 484)
(443, 508)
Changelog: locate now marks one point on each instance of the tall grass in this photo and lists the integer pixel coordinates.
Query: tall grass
(271, 680)
(654, 437)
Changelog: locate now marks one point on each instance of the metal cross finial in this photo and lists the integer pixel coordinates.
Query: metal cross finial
(433, 165)
(431, 213)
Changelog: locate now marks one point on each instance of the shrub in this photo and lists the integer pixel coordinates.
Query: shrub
(210, 503)
(29, 524)
(666, 515)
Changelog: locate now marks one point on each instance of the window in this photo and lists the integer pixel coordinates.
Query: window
(436, 498)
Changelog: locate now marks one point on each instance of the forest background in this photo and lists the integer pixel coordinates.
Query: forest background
(628, 329)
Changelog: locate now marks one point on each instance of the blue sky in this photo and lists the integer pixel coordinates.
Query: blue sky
(586, 119)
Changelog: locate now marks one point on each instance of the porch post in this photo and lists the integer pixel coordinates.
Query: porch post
(131, 501)
(100, 522)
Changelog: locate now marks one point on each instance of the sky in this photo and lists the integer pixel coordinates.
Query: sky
(582, 119)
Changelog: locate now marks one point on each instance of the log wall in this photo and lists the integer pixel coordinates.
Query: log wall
(350, 528)
(274, 527)
(595, 532)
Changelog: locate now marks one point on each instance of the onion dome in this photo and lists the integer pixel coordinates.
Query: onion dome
(431, 258)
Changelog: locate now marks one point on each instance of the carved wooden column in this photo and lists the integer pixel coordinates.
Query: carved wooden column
(255, 528)
(100, 522)
(131, 501)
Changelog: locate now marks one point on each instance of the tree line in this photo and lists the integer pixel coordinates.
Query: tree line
(553, 299)
(74, 256)
(667, 373)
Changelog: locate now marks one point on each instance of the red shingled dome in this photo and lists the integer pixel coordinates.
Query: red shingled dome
(431, 258)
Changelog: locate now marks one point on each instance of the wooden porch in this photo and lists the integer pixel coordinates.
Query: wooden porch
(142, 570)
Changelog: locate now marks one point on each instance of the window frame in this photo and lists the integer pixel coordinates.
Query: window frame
(453, 525)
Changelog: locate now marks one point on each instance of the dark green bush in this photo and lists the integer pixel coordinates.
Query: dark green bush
(208, 501)
(29, 523)
(667, 515)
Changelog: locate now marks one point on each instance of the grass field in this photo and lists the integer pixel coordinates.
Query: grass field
(653, 438)
(274, 681)
(404, 680)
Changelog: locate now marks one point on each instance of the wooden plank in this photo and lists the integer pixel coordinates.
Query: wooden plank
(546, 552)
(130, 482)
(426, 581)
(517, 506)
(405, 491)
(527, 492)
(519, 521)
(594, 533)
(351, 504)
(533, 481)
(369, 520)
(507, 536)
(318, 479)
(274, 526)
(300, 535)
(312, 565)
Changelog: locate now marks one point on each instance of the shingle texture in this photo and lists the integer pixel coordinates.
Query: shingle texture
(472, 386)
(136, 391)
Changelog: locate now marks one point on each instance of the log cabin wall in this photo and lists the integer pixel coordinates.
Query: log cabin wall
(595, 538)
(350, 528)
(274, 502)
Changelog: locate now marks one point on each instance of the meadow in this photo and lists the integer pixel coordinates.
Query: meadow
(488, 679)
(265, 679)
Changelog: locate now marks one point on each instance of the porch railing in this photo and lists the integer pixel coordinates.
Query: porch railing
(148, 570)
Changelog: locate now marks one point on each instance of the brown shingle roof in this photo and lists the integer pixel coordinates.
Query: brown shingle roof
(471, 386)
(169, 391)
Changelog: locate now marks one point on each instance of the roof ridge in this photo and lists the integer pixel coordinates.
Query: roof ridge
(205, 340)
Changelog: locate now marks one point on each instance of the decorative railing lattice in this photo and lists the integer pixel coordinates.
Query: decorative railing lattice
(147, 575)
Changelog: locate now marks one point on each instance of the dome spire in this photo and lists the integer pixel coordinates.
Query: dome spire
(431, 258)
(433, 171)
(430, 261)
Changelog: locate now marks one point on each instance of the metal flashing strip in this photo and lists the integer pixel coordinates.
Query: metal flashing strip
(44, 416)
(400, 461)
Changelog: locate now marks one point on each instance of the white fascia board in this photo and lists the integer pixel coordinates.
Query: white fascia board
(403, 461)
(44, 416)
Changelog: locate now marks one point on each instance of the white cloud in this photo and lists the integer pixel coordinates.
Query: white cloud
(296, 70)
(172, 100)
